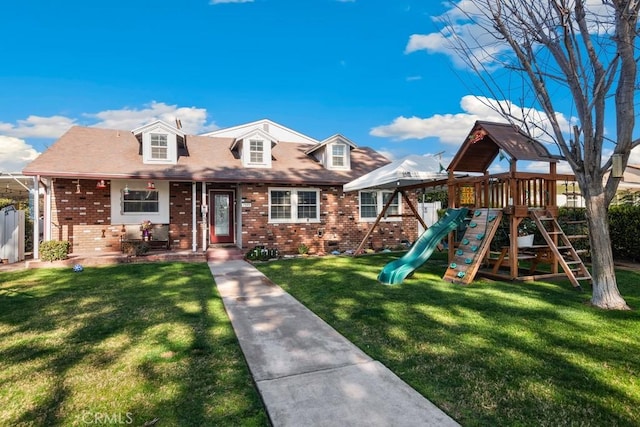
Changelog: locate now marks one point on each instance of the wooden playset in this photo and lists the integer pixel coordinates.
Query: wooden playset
(516, 196)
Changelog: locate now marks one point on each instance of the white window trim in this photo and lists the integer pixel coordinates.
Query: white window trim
(346, 158)
(246, 153)
(172, 147)
(119, 217)
(123, 203)
(294, 206)
(379, 205)
(165, 147)
(261, 151)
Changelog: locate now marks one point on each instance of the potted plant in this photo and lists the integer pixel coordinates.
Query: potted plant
(145, 227)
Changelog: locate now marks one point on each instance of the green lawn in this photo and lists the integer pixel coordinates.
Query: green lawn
(491, 353)
(120, 345)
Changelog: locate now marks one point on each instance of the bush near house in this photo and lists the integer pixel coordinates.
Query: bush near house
(54, 250)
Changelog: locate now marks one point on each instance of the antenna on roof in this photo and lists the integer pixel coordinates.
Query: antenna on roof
(178, 123)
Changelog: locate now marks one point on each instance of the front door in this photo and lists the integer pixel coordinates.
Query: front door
(221, 217)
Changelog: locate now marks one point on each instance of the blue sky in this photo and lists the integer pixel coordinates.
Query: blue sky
(366, 69)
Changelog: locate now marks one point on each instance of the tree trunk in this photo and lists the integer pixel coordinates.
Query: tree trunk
(605, 288)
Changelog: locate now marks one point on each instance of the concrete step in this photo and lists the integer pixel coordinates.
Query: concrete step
(219, 253)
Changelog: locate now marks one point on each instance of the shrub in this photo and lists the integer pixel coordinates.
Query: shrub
(54, 250)
(5, 202)
(303, 249)
(624, 226)
(135, 248)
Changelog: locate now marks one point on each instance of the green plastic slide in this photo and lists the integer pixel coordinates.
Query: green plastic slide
(396, 271)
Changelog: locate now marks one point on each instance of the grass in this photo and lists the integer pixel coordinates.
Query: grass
(120, 345)
(492, 353)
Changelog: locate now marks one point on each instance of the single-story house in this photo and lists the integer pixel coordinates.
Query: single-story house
(256, 184)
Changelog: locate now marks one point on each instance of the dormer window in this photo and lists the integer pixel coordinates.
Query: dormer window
(159, 146)
(254, 148)
(338, 156)
(159, 143)
(256, 151)
(333, 153)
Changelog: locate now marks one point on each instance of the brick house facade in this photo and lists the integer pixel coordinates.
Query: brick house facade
(258, 184)
(83, 219)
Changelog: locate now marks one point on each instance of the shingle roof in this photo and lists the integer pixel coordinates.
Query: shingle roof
(110, 154)
(485, 141)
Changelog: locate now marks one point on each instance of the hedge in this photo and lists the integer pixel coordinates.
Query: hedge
(54, 250)
(624, 226)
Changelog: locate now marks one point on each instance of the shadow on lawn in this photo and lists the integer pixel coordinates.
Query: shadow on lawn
(491, 353)
(134, 342)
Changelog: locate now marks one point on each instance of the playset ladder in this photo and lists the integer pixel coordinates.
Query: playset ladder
(560, 244)
(474, 246)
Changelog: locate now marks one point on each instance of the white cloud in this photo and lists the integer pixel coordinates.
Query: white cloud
(458, 29)
(466, 23)
(38, 127)
(446, 127)
(15, 153)
(453, 128)
(562, 167)
(194, 120)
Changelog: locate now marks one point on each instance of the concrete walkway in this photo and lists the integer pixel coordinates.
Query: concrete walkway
(306, 372)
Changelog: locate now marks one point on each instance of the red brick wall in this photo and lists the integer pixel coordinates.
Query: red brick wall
(180, 215)
(84, 219)
(339, 227)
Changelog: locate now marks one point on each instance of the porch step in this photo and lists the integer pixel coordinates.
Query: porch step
(218, 253)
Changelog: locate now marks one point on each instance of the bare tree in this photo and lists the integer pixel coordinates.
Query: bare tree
(578, 55)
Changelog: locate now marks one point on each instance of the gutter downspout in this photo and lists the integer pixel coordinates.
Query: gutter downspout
(36, 219)
(194, 219)
(47, 223)
(204, 207)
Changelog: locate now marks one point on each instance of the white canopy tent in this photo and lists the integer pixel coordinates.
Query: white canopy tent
(411, 172)
(631, 178)
(408, 171)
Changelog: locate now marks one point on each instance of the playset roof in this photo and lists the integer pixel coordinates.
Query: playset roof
(485, 141)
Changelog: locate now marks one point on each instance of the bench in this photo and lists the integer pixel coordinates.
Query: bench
(158, 237)
(501, 259)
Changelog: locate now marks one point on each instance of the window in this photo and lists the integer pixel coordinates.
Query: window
(140, 202)
(256, 151)
(280, 204)
(338, 155)
(294, 205)
(368, 204)
(372, 202)
(159, 147)
(394, 207)
(307, 204)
